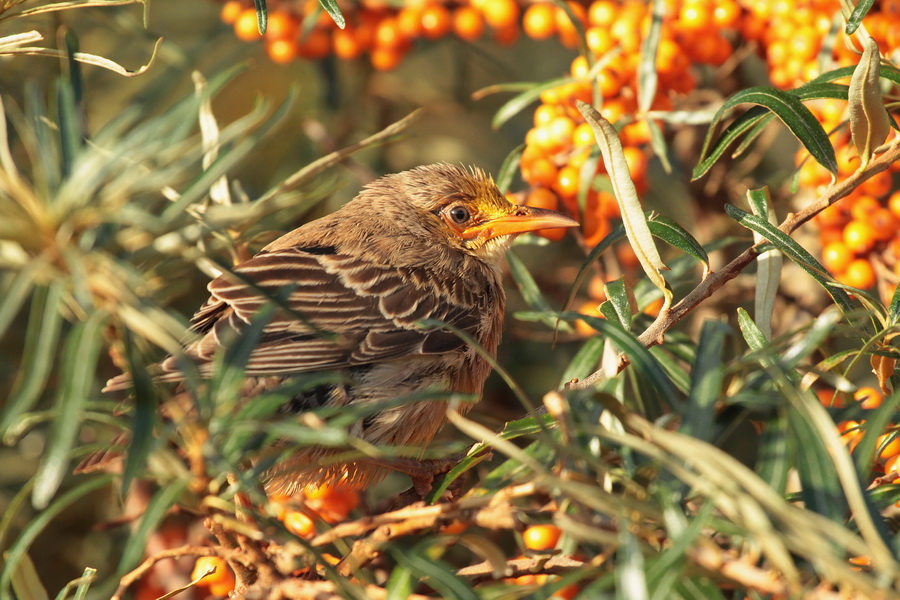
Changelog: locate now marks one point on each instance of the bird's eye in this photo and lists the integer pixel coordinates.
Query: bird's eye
(459, 214)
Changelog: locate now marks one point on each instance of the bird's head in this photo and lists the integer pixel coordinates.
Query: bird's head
(463, 208)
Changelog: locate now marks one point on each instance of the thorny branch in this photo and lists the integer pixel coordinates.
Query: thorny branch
(654, 334)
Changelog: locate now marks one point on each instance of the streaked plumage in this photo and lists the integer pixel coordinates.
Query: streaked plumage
(401, 251)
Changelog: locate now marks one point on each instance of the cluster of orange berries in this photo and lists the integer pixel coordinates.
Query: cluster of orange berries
(299, 514)
(887, 448)
(384, 30)
(555, 161)
(791, 35)
(860, 234)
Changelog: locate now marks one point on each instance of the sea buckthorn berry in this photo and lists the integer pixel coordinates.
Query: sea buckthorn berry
(859, 274)
(836, 256)
(541, 172)
(299, 524)
(591, 308)
(892, 464)
(583, 136)
(539, 21)
(220, 582)
(596, 225)
(602, 13)
(884, 224)
(567, 182)
(541, 537)
(386, 59)
(245, 26)
(599, 41)
(230, 11)
(893, 203)
(878, 185)
(859, 237)
(501, 14)
(863, 206)
(868, 397)
(282, 26)
(889, 444)
(850, 433)
(437, 22)
(346, 44)
(468, 23)
(315, 45)
(281, 51)
(830, 398)
(568, 33)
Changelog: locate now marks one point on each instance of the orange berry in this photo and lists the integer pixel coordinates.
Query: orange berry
(830, 398)
(541, 537)
(437, 21)
(836, 256)
(316, 44)
(596, 225)
(568, 34)
(245, 26)
(894, 203)
(567, 182)
(695, 16)
(346, 44)
(230, 11)
(409, 22)
(833, 215)
(454, 528)
(583, 136)
(889, 444)
(388, 34)
(299, 524)
(850, 433)
(386, 59)
(220, 582)
(878, 185)
(590, 308)
(626, 256)
(282, 26)
(863, 206)
(653, 307)
(501, 14)
(541, 172)
(868, 397)
(884, 224)
(859, 274)
(281, 51)
(726, 13)
(468, 23)
(506, 36)
(892, 465)
(539, 21)
(599, 41)
(637, 162)
(602, 13)
(561, 129)
(859, 237)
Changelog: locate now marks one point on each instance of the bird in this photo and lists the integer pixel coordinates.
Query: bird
(423, 244)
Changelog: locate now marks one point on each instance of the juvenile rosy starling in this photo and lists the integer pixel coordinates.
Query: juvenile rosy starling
(423, 244)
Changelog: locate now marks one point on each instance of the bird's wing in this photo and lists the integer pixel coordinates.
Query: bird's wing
(337, 310)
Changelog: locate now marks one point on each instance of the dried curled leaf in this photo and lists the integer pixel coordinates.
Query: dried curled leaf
(633, 217)
(869, 121)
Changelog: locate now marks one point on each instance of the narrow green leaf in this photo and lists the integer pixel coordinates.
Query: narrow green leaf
(631, 578)
(753, 335)
(658, 143)
(792, 250)
(788, 107)
(706, 382)
(585, 360)
(821, 488)
(643, 362)
(586, 268)
(648, 78)
(78, 368)
(143, 416)
(869, 121)
(526, 284)
(677, 236)
(26, 582)
(39, 523)
(772, 461)
(509, 168)
(633, 217)
(618, 307)
(894, 309)
(262, 16)
(768, 272)
(859, 11)
(38, 355)
(156, 509)
(334, 11)
(400, 584)
(438, 574)
(13, 296)
(518, 103)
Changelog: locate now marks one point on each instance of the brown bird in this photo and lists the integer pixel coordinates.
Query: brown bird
(423, 244)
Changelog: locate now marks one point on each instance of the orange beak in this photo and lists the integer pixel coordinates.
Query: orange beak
(521, 220)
